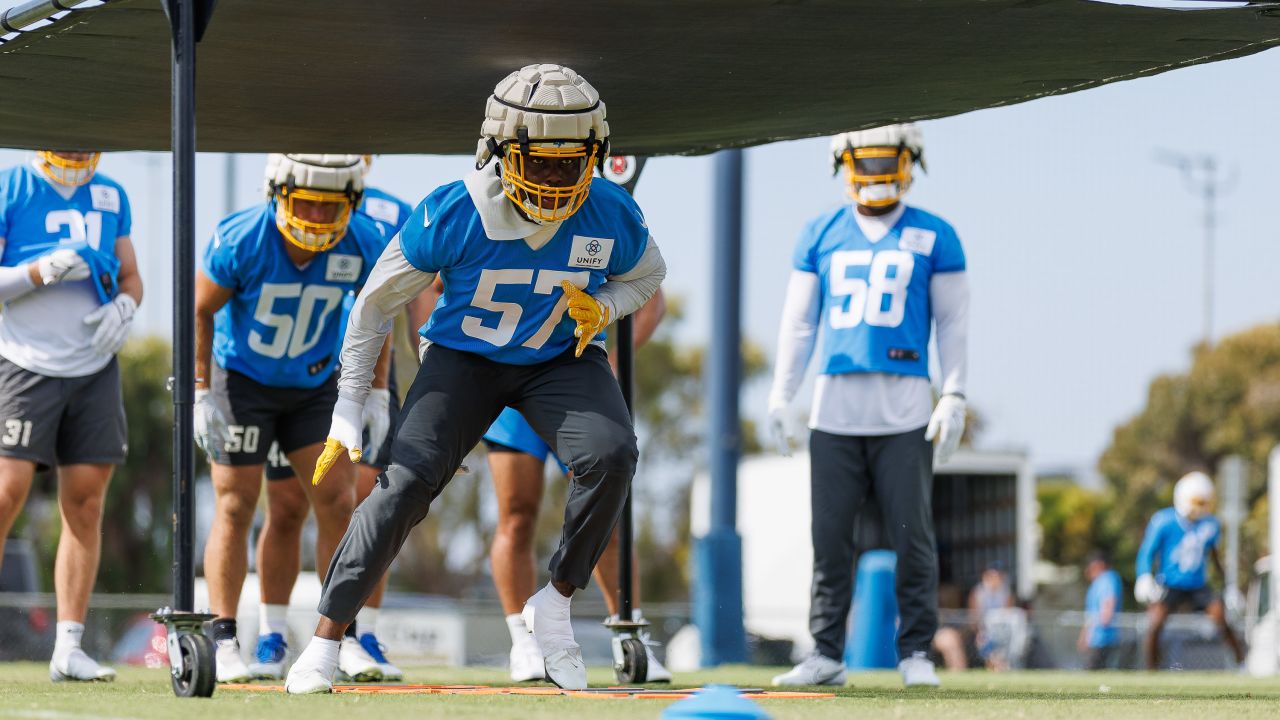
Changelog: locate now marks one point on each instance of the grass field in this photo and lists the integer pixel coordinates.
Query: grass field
(25, 692)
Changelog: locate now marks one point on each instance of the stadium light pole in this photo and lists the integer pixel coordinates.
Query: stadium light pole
(718, 556)
(1200, 172)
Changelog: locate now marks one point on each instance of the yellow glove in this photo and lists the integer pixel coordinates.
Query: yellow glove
(344, 435)
(591, 316)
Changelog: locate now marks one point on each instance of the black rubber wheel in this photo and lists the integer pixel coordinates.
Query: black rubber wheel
(635, 662)
(197, 676)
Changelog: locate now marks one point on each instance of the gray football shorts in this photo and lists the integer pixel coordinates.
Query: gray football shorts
(62, 421)
(259, 415)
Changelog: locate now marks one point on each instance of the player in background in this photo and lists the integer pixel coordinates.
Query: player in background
(517, 463)
(875, 275)
(1171, 564)
(520, 243)
(268, 309)
(70, 286)
(279, 543)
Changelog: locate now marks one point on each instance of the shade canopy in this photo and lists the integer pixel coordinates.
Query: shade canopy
(677, 76)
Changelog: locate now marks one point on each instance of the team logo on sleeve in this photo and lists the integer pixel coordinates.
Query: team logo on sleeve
(343, 268)
(105, 198)
(917, 240)
(380, 209)
(590, 252)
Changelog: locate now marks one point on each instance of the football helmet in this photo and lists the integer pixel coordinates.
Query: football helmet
(877, 163)
(546, 125)
(1193, 496)
(67, 171)
(329, 186)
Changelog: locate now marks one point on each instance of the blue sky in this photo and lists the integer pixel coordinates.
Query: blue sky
(1084, 252)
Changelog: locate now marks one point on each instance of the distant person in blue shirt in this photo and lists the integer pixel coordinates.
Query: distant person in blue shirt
(1099, 636)
(1171, 563)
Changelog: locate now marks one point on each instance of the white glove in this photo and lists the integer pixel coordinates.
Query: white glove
(946, 424)
(210, 426)
(113, 320)
(1146, 590)
(61, 265)
(344, 434)
(780, 429)
(375, 421)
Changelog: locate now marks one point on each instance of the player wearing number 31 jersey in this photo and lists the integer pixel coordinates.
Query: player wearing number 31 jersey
(536, 258)
(875, 276)
(268, 314)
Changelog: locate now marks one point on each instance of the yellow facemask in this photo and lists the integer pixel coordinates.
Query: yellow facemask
(308, 235)
(65, 171)
(547, 203)
(880, 189)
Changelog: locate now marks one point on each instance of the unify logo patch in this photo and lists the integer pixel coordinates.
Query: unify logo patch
(590, 252)
(917, 240)
(105, 198)
(343, 268)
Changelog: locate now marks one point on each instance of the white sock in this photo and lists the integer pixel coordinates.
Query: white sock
(67, 637)
(273, 619)
(552, 597)
(367, 620)
(551, 624)
(320, 654)
(519, 631)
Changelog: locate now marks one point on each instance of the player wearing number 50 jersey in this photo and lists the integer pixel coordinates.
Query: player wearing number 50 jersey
(69, 283)
(269, 301)
(875, 276)
(536, 258)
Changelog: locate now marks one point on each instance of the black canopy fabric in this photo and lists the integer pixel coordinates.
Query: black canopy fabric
(677, 76)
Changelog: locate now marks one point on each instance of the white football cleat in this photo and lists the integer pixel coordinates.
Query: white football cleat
(548, 622)
(656, 672)
(526, 661)
(269, 657)
(378, 651)
(356, 664)
(231, 667)
(817, 669)
(76, 666)
(918, 671)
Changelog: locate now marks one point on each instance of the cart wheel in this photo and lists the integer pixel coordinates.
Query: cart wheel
(197, 676)
(635, 662)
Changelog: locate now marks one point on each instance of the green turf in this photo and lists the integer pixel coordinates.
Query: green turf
(25, 692)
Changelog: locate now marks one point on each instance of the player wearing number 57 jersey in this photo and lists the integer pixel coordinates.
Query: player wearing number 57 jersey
(70, 285)
(536, 258)
(269, 303)
(876, 276)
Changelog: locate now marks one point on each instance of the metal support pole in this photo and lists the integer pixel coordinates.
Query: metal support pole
(1231, 483)
(625, 349)
(184, 184)
(718, 556)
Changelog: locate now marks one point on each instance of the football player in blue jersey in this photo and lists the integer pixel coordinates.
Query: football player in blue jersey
(69, 283)
(520, 244)
(1171, 564)
(517, 461)
(268, 309)
(876, 276)
(279, 542)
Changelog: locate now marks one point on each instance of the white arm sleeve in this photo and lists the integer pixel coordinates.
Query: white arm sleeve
(626, 293)
(392, 283)
(949, 303)
(15, 282)
(796, 337)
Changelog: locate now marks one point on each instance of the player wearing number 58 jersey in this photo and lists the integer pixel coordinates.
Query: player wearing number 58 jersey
(875, 276)
(536, 258)
(69, 283)
(269, 301)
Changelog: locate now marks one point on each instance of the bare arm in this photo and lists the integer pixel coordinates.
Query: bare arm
(382, 368)
(210, 297)
(129, 279)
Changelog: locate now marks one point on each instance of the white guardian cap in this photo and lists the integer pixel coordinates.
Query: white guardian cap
(877, 163)
(1193, 496)
(315, 195)
(546, 124)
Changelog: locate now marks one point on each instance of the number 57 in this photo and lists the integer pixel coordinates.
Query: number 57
(547, 283)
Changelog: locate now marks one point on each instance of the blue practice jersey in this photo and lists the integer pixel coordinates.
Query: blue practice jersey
(282, 326)
(387, 211)
(502, 299)
(35, 220)
(1180, 546)
(1104, 587)
(875, 295)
